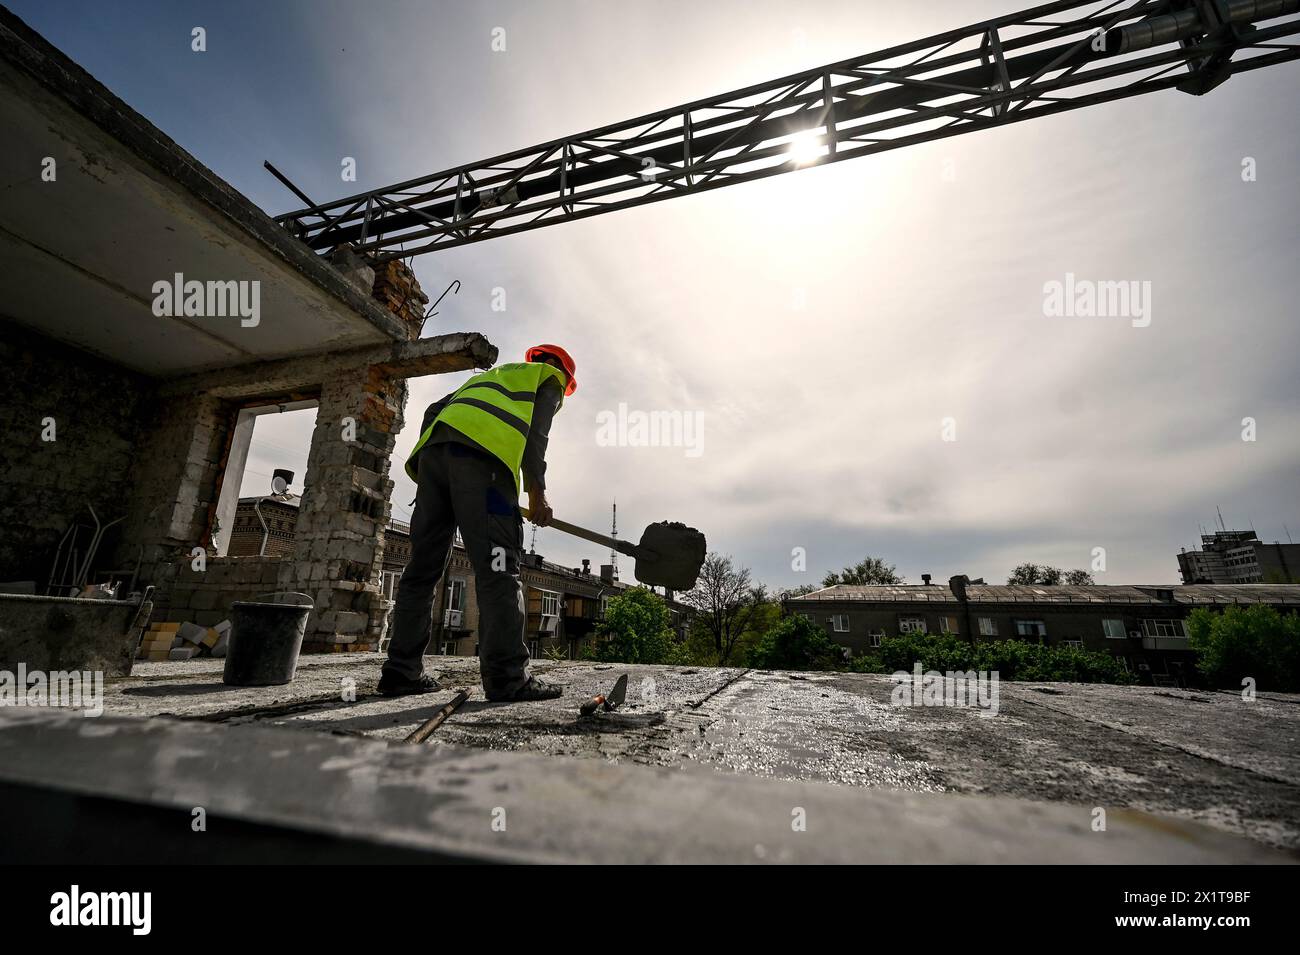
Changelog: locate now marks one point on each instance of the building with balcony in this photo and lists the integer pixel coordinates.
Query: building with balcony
(1240, 557)
(1142, 625)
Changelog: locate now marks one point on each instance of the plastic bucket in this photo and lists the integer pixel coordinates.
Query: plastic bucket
(265, 639)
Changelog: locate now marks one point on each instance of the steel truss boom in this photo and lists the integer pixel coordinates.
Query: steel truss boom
(1048, 59)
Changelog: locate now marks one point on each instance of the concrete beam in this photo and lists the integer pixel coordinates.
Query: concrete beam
(453, 804)
(458, 351)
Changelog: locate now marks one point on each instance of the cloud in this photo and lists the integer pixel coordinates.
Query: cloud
(825, 323)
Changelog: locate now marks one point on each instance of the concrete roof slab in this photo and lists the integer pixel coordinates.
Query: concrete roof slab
(80, 255)
(1201, 757)
(443, 802)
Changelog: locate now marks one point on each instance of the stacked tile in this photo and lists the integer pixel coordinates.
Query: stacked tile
(157, 642)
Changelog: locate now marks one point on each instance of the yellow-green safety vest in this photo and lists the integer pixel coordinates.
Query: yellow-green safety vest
(495, 409)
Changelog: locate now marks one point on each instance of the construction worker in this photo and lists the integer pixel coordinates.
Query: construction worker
(473, 444)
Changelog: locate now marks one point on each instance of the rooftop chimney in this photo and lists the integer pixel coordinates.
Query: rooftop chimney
(926, 579)
(586, 566)
(607, 573)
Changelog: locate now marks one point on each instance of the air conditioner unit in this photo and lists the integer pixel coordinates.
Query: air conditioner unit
(549, 623)
(452, 619)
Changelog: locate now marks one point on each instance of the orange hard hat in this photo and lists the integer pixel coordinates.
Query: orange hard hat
(537, 351)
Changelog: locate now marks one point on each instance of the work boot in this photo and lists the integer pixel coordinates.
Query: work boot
(390, 684)
(534, 689)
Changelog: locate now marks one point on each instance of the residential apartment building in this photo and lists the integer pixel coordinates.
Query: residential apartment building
(1240, 557)
(1143, 625)
(564, 604)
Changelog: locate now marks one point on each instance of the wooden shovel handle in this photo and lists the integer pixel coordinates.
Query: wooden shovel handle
(623, 547)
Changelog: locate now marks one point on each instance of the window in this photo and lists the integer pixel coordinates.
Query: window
(876, 637)
(534, 648)
(840, 622)
(604, 603)
(911, 625)
(448, 648)
(1072, 643)
(390, 583)
(266, 439)
(1163, 628)
(550, 603)
(1113, 629)
(456, 597)
(988, 627)
(947, 624)
(808, 617)
(1031, 628)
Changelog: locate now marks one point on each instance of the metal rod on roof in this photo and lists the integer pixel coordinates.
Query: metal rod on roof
(287, 184)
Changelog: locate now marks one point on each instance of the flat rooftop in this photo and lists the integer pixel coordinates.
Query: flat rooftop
(1196, 595)
(725, 755)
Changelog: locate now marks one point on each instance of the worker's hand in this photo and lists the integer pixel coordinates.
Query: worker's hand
(539, 509)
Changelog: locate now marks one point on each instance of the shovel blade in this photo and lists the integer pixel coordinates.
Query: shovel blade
(670, 555)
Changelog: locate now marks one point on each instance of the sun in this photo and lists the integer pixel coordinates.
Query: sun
(806, 147)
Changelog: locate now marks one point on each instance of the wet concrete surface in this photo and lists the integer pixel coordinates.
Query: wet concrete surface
(1211, 758)
(125, 789)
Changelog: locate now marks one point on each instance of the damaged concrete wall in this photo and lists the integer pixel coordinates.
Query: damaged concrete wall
(175, 483)
(154, 453)
(337, 556)
(97, 411)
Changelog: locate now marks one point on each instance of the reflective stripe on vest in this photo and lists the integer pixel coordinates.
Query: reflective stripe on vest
(495, 409)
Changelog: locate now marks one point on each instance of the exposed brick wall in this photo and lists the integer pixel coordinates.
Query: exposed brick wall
(398, 291)
(205, 598)
(98, 409)
(339, 550)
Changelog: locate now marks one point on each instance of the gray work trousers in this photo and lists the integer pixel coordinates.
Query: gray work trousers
(460, 486)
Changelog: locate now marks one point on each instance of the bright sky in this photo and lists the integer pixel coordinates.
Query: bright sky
(822, 323)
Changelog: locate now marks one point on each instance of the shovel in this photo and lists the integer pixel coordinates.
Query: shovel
(669, 554)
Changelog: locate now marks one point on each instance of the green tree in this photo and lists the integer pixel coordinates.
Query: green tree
(869, 570)
(786, 593)
(636, 629)
(700, 643)
(796, 644)
(1030, 574)
(726, 602)
(1247, 642)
